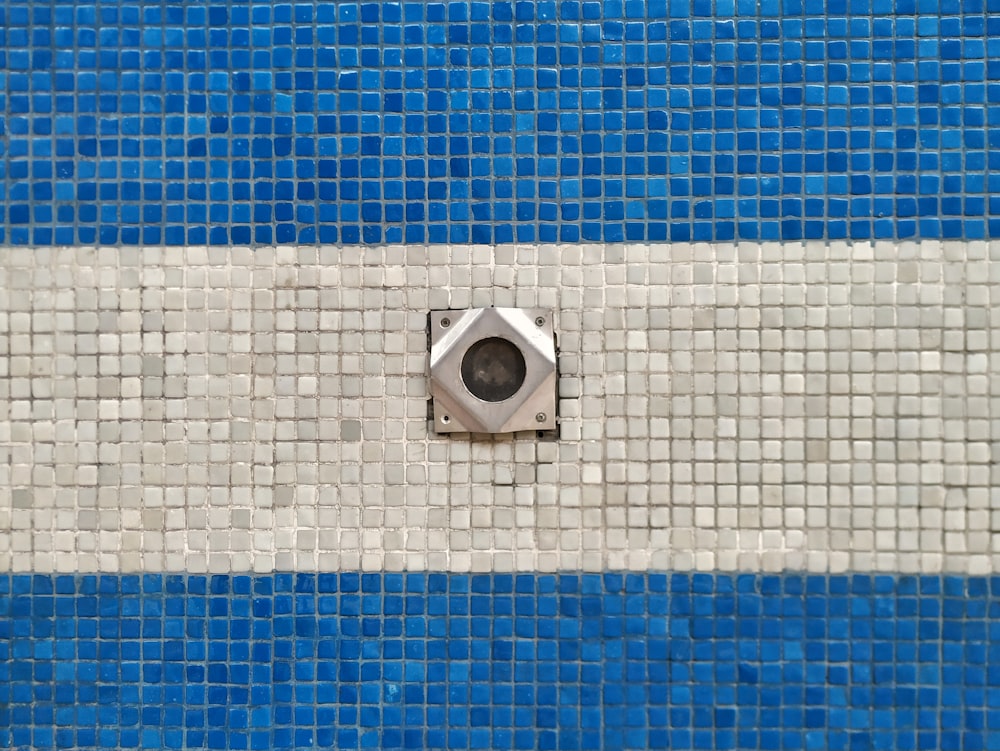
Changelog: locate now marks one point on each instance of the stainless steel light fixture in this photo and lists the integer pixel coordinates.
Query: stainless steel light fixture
(493, 370)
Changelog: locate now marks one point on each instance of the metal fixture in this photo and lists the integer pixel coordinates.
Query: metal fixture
(493, 370)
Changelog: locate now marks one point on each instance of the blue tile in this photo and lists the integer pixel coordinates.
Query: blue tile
(525, 661)
(388, 122)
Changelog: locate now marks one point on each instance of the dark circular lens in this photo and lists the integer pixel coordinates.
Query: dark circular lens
(493, 369)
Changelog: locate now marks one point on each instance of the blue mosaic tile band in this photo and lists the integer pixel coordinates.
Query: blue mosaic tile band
(499, 661)
(141, 122)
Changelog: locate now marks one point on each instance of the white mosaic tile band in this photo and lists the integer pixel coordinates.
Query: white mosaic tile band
(722, 407)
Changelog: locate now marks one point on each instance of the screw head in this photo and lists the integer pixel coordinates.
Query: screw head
(445, 419)
(445, 323)
(540, 417)
(540, 321)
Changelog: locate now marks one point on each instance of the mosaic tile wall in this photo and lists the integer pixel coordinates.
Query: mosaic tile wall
(568, 121)
(787, 406)
(499, 661)
(768, 517)
(228, 413)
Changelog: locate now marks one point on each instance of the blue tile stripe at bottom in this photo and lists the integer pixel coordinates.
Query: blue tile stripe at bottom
(526, 661)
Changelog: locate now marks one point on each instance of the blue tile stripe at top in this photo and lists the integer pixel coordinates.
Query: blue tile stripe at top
(527, 661)
(138, 122)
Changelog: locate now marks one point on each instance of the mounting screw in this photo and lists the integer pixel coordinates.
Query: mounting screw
(540, 417)
(539, 321)
(445, 419)
(445, 323)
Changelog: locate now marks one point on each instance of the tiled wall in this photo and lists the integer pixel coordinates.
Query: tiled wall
(767, 519)
(786, 406)
(231, 123)
(530, 661)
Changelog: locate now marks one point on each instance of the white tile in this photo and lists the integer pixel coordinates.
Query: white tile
(767, 406)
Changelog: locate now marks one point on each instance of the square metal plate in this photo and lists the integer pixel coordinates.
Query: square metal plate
(532, 406)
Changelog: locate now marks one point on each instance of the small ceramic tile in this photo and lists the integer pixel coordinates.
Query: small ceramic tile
(764, 406)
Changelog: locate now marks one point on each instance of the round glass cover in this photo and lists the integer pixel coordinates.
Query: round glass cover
(493, 369)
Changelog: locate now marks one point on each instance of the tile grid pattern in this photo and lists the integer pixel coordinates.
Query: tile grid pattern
(530, 661)
(228, 123)
(726, 407)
